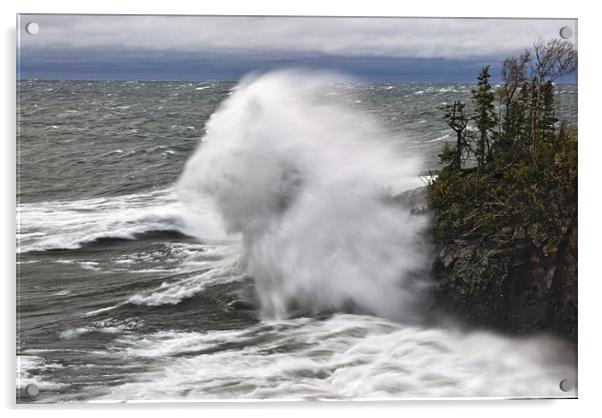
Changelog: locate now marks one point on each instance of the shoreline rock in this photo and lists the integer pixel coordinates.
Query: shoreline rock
(521, 286)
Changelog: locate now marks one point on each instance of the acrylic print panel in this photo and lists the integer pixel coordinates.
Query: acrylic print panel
(295, 208)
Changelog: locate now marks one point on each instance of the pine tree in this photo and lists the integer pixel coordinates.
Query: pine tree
(484, 116)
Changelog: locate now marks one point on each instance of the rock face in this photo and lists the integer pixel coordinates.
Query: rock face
(517, 281)
(519, 290)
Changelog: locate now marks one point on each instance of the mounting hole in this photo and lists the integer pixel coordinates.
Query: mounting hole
(32, 28)
(566, 32)
(566, 385)
(32, 390)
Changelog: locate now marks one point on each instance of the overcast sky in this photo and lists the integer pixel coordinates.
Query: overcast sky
(225, 48)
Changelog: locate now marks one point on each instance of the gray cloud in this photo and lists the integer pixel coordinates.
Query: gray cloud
(386, 37)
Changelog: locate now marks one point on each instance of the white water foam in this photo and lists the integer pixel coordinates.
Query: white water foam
(109, 326)
(70, 224)
(440, 138)
(346, 356)
(308, 182)
(220, 264)
(308, 186)
(28, 369)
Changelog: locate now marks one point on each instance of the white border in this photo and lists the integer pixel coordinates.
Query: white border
(590, 153)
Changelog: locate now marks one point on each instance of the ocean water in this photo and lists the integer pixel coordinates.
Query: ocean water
(129, 288)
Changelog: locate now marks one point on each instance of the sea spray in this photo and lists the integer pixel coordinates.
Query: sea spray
(308, 183)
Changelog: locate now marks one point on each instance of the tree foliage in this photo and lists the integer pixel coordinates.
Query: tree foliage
(506, 198)
(484, 116)
(517, 119)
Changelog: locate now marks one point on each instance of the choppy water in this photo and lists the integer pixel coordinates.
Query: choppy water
(117, 301)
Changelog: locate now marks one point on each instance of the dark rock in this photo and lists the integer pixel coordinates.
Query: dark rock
(521, 290)
(517, 280)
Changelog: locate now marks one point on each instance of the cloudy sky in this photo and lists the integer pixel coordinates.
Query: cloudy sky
(225, 48)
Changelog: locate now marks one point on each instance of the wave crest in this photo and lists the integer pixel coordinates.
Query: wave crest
(307, 181)
(69, 225)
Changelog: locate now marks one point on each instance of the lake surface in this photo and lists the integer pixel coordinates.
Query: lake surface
(118, 300)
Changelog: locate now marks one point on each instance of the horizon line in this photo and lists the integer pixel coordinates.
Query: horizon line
(236, 81)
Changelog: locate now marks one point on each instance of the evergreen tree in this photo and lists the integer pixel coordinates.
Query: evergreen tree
(521, 119)
(525, 122)
(484, 116)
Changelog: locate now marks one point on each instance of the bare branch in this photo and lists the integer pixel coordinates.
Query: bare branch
(553, 59)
